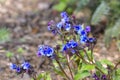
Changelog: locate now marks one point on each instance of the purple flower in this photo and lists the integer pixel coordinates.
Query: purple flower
(87, 29)
(26, 65)
(50, 23)
(73, 51)
(54, 31)
(95, 77)
(49, 28)
(45, 50)
(13, 66)
(103, 77)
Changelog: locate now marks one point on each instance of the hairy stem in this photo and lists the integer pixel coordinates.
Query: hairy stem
(67, 57)
(62, 69)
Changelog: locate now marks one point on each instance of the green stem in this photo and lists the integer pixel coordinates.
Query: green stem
(62, 69)
(87, 55)
(80, 56)
(116, 65)
(92, 52)
(99, 69)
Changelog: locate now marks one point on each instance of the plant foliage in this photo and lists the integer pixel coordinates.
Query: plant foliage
(113, 32)
(101, 10)
(4, 35)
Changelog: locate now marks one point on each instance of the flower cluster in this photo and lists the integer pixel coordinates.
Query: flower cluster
(63, 25)
(67, 24)
(44, 50)
(25, 67)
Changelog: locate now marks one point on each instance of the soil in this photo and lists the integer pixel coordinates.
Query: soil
(27, 21)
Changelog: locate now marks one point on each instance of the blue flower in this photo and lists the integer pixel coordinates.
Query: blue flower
(73, 43)
(83, 39)
(67, 26)
(82, 32)
(45, 50)
(18, 69)
(49, 28)
(64, 47)
(69, 45)
(13, 66)
(26, 65)
(59, 25)
(91, 40)
(65, 20)
(73, 51)
(64, 15)
(78, 28)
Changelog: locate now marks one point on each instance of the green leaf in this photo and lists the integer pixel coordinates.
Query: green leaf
(55, 63)
(107, 62)
(116, 29)
(9, 54)
(81, 75)
(112, 32)
(44, 76)
(4, 35)
(65, 1)
(60, 7)
(48, 77)
(20, 50)
(99, 65)
(87, 67)
(116, 74)
(101, 10)
(81, 4)
(118, 71)
(107, 36)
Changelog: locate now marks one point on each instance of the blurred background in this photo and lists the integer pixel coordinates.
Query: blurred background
(23, 26)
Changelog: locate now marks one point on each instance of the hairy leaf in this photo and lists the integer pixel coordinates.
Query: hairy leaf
(107, 36)
(101, 10)
(116, 29)
(81, 75)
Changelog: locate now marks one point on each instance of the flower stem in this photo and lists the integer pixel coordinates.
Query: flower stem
(67, 56)
(62, 69)
(80, 56)
(87, 55)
